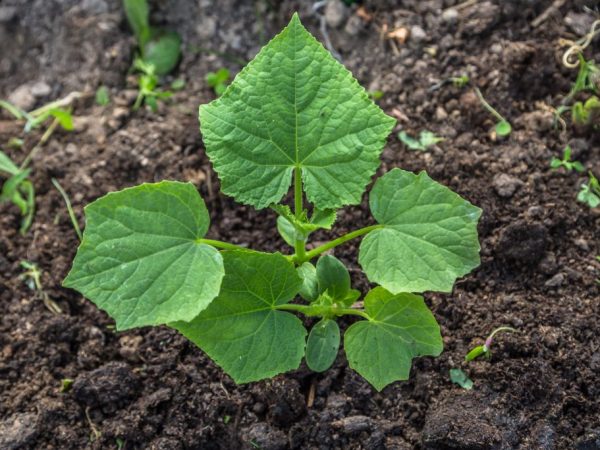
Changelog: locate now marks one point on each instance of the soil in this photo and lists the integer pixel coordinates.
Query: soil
(151, 389)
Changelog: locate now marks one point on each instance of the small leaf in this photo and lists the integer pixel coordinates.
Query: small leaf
(323, 218)
(400, 328)
(102, 96)
(64, 117)
(310, 285)
(163, 52)
(241, 330)
(137, 15)
(322, 345)
(410, 142)
(578, 166)
(428, 238)
(142, 258)
(457, 376)
(294, 106)
(427, 139)
(286, 230)
(7, 165)
(503, 128)
(333, 277)
(11, 186)
(178, 84)
(476, 352)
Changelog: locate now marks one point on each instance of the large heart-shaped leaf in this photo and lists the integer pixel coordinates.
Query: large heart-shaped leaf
(241, 330)
(142, 258)
(294, 106)
(428, 238)
(400, 328)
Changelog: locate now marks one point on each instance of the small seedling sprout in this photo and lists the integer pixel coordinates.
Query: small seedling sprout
(566, 162)
(590, 192)
(502, 127)
(102, 96)
(426, 139)
(65, 197)
(218, 80)
(33, 278)
(485, 348)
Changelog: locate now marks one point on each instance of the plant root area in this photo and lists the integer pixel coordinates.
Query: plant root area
(151, 389)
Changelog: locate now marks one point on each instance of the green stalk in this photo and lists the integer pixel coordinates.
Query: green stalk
(220, 244)
(489, 107)
(69, 207)
(339, 241)
(300, 244)
(311, 310)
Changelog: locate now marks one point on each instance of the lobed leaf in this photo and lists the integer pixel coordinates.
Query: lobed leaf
(294, 106)
(142, 258)
(241, 330)
(400, 328)
(428, 236)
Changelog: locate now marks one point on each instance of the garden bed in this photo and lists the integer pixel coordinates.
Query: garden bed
(151, 388)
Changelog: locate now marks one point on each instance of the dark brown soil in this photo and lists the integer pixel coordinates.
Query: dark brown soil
(151, 389)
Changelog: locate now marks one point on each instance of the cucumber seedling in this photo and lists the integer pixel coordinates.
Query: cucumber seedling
(18, 190)
(484, 350)
(590, 192)
(294, 117)
(566, 162)
(502, 127)
(158, 53)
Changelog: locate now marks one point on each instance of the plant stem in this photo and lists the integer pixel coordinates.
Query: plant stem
(69, 207)
(220, 244)
(300, 244)
(331, 244)
(487, 106)
(310, 310)
(40, 144)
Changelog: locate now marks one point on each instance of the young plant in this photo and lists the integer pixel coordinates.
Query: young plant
(566, 162)
(502, 127)
(294, 116)
(218, 80)
(426, 139)
(458, 376)
(485, 348)
(590, 192)
(18, 190)
(33, 278)
(158, 53)
(586, 113)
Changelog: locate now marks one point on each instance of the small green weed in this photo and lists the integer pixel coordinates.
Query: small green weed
(590, 192)
(218, 81)
(426, 139)
(502, 127)
(566, 162)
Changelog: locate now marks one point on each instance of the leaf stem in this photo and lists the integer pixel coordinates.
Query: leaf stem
(312, 310)
(300, 244)
(331, 244)
(220, 244)
(489, 107)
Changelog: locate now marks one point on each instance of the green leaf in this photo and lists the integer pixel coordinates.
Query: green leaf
(163, 52)
(142, 258)
(10, 186)
(426, 140)
(503, 128)
(400, 328)
(287, 230)
(241, 330)
(7, 165)
(294, 106)
(428, 236)
(333, 277)
(102, 96)
(476, 352)
(457, 376)
(310, 285)
(137, 15)
(323, 218)
(322, 345)
(64, 117)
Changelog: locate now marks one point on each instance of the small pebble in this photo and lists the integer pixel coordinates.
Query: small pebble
(335, 13)
(450, 16)
(556, 281)
(417, 34)
(506, 185)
